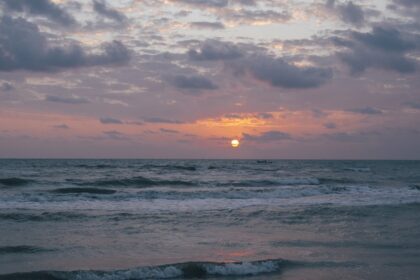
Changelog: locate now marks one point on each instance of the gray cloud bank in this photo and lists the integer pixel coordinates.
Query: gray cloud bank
(25, 47)
(382, 48)
(45, 8)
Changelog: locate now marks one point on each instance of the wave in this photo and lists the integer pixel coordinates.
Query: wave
(358, 169)
(96, 166)
(272, 182)
(343, 244)
(137, 181)
(188, 270)
(170, 167)
(184, 201)
(140, 181)
(14, 182)
(22, 249)
(241, 192)
(45, 216)
(83, 190)
(264, 161)
(415, 187)
(336, 180)
(181, 270)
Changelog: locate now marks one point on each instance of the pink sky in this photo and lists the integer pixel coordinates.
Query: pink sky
(181, 78)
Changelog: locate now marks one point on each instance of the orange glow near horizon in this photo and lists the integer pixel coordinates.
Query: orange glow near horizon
(214, 132)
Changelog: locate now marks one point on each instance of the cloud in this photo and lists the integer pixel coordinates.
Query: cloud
(168, 130)
(215, 50)
(382, 48)
(349, 12)
(279, 73)
(233, 116)
(412, 105)
(44, 8)
(254, 17)
(134, 123)
(24, 47)
(317, 113)
(406, 7)
(244, 2)
(330, 125)
(6, 86)
(161, 120)
(275, 71)
(216, 3)
(115, 135)
(239, 116)
(361, 136)
(366, 111)
(61, 126)
(193, 83)
(102, 8)
(352, 13)
(268, 136)
(264, 116)
(66, 100)
(205, 3)
(385, 39)
(109, 120)
(207, 25)
(408, 3)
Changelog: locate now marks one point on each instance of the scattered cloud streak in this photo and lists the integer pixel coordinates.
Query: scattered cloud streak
(45, 8)
(207, 25)
(61, 126)
(6, 86)
(66, 99)
(367, 111)
(161, 120)
(215, 50)
(109, 120)
(165, 130)
(193, 83)
(101, 7)
(268, 136)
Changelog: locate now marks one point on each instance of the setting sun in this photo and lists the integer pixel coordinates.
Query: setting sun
(235, 143)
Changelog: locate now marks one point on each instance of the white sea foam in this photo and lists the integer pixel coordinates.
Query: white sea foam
(244, 268)
(183, 270)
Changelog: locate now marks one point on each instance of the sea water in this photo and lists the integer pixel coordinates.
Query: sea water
(233, 219)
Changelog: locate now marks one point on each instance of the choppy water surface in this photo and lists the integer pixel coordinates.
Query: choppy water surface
(163, 219)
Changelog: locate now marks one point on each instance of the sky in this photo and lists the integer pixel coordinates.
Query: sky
(181, 78)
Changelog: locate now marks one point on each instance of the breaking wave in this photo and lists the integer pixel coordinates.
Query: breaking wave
(182, 270)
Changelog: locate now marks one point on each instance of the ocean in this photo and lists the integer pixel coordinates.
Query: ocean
(213, 219)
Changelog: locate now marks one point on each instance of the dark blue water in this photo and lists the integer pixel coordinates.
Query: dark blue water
(159, 219)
